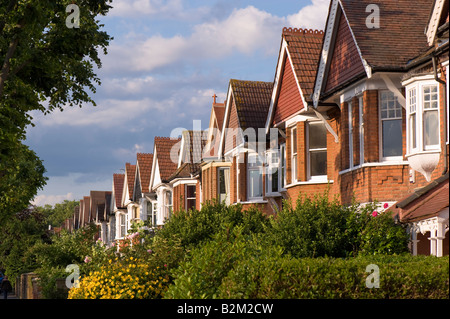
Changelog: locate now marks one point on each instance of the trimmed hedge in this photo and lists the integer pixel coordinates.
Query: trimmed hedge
(400, 277)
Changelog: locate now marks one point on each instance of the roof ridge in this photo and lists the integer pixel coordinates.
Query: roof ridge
(298, 31)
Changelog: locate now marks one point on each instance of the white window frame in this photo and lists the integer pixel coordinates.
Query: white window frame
(279, 165)
(168, 205)
(190, 198)
(294, 171)
(227, 185)
(123, 225)
(251, 167)
(380, 130)
(432, 146)
(318, 178)
(418, 85)
(350, 133)
(361, 129)
(411, 105)
(152, 213)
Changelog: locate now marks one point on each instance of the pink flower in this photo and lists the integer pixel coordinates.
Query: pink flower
(165, 265)
(374, 213)
(149, 251)
(386, 205)
(87, 259)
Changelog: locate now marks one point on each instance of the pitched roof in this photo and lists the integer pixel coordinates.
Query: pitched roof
(252, 99)
(164, 146)
(193, 146)
(130, 174)
(426, 202)
(118, 180)
(144, 163)
(304, 48)
(400, 36)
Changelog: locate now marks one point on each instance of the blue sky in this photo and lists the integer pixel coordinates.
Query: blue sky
(166, 61)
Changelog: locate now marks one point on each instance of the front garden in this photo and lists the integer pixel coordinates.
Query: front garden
(317, 249)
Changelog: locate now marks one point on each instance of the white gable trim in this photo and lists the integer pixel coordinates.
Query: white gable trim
(228, 107)
(325, 52)
(182, 151)
(325, 59)
(434, 21)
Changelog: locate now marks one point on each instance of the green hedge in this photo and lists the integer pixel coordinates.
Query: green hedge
(238, 265)
(400, 277)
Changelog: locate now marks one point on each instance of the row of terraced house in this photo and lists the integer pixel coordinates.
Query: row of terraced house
(357, 110)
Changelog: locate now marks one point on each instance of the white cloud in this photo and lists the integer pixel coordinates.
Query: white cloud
(310, 17)
(42, 200)
(244, 31)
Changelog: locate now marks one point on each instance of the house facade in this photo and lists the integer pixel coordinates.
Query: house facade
(358, 111)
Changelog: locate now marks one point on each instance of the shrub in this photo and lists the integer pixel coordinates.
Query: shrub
(317, 228)
(196, 226)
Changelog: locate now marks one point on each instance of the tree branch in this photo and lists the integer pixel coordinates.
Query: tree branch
(4, 73)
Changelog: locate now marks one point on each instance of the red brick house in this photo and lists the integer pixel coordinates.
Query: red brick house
(243, 141)
(141, 192)
(388, 87)
(165, 161)
(185, 181)
(215, 172)
(118, 220)
(302, 161)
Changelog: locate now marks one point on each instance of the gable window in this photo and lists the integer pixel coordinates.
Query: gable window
(423, 116)
(254, 175)
(190, 196)
(390, 126)
(350, 134)
(317, 150)
(294, 153)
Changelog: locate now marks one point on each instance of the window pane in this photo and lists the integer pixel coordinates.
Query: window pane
(294, 140)
(412, 124)
(392, 138)
(255, 183)
(318, 160)
(190, 191)
(190, 204)
(431, 128)
(317, 136)
(390, 108)
(275, 180)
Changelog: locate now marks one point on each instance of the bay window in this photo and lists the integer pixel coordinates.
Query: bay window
(275, 170)
(317, 150)
(151, 212)
(224, 184)
(190, 196)
(294, 153)
(422, 108)
(254, 177)
(390, 126)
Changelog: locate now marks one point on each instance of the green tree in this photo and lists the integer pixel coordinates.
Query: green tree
(44, 65)
(57, 214)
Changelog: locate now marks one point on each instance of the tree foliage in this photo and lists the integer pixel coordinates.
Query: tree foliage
(44, 65)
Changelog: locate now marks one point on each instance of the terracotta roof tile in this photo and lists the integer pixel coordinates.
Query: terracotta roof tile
(130, 176)
(144, 163)
(400, 37)
(304, 47)
(164, 147)
(118, 180)
(252, 100)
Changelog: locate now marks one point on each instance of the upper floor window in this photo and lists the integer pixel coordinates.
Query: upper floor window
(390, 126)
(422, 108)
(317, 150)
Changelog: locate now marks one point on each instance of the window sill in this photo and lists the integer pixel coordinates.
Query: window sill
(252, 201)
(386, 163)
(310, 182)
